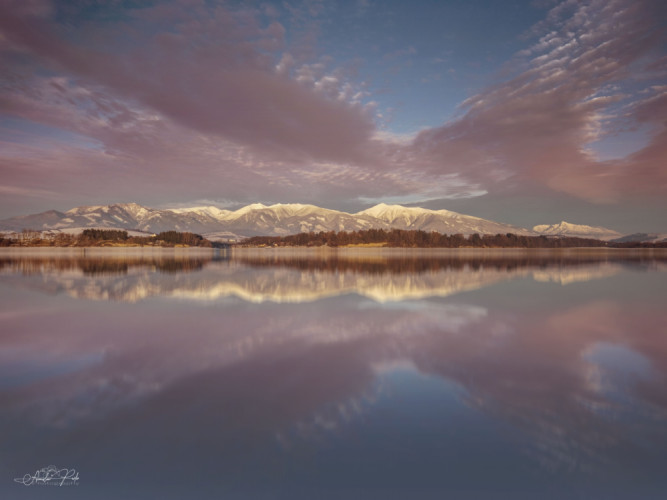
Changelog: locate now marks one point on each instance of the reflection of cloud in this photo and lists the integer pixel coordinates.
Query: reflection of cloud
(299, 371)
(128, 362)
(543, 379)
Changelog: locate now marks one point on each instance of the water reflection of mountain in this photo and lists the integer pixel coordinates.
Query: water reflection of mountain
(294, 279)
(580, 382)
(294, 373)
(421, 261)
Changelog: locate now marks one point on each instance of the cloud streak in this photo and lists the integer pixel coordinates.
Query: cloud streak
(189, 100)
(537, 125)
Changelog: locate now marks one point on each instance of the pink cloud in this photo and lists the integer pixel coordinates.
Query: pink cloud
(212, 74)
(202, 101)
(537, 125)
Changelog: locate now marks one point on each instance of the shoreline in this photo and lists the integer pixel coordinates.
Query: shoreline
(449, 252)
(328, 252)
(105, 251)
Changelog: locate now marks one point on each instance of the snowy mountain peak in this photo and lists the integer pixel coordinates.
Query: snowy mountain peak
(211, 211)
(564, 228)
(378, 208)
(442, 221)
(289, 205)
(250, 208)
(134, 208)
(408, 215)
(295, 209)
(84, 209)
(131, 205)
(561, 226)
(391, 212)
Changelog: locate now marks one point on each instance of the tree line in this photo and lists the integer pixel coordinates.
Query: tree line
(398, 238)
(402, 238)
(107, 237)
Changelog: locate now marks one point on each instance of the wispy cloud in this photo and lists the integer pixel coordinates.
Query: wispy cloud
(537, 125)
(188, 100)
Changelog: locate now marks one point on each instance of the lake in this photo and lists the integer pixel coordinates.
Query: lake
(351, 374)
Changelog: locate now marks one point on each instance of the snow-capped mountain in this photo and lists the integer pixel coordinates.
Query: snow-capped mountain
(215, 212)
(282, 219)
(278, 219)
(577, 230)
(442, 221)
(643, 237)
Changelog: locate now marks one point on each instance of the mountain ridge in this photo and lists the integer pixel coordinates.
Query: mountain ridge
(278, 219)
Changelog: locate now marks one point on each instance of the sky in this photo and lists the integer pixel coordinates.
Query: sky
(524, 112)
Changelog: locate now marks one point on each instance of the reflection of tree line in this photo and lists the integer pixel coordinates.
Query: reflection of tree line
(100, 266)
(94, 266)
(438, 263)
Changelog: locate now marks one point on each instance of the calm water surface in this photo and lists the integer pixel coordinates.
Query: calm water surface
(359, 375)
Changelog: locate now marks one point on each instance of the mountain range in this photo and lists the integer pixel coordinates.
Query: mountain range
(277, 220)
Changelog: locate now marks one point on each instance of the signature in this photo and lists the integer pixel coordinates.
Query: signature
(50, 475)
